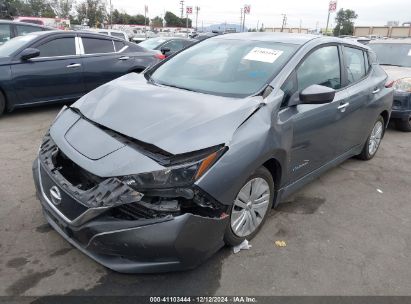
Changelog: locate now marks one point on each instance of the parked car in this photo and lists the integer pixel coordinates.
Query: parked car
(110, 32)
(157, 171)
(10, 29)
(167, 45)
(394, 56)
(204, 36)
(59, 66)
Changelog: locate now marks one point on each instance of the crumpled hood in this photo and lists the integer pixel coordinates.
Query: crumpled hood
(395, 73)
(174, 120)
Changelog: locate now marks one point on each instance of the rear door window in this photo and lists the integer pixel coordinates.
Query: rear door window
(355, 64)
(97, 45)
(5, 34)
(58, 47)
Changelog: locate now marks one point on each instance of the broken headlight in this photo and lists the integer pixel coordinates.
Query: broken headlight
(175, 176)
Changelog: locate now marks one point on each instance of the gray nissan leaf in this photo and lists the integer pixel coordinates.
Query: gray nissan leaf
(157, 171)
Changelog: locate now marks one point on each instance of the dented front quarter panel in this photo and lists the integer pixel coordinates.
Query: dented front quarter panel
(259, 139)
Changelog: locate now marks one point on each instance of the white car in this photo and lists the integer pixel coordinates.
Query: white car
(110, 32)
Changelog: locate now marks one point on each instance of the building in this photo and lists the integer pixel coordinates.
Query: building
(383, 31)
(286, 30)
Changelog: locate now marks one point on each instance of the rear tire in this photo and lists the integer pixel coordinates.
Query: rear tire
(403, 125)
(2, 103)
(374, 140)
(250, 208)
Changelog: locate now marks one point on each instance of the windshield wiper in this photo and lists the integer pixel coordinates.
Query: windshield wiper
(177, 87)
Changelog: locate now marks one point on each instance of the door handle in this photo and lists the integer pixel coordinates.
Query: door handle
(376, 91)
(73, 65)
(124, 58)
(343, 106)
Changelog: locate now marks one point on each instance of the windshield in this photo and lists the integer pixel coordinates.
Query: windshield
(152, 43)
(233, 68)
(14, 44)
(393, 53)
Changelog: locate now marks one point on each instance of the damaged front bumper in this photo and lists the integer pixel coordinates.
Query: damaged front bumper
(109, 223)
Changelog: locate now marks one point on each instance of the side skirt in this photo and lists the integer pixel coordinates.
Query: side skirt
(286, 191)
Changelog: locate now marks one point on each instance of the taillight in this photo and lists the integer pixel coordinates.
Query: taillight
(389, 84)
(160, 56)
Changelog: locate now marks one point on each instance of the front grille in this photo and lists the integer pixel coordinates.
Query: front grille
(73, 173)
(133, 212)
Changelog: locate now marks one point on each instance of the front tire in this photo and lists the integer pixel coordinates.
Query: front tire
(403, 125)
(374, 140)
(250, 208)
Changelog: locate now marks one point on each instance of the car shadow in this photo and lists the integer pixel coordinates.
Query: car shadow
(204, 280)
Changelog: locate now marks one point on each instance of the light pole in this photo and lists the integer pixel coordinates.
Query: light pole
(111, 16)
(182, 8)
(241, 20)
(197, 9)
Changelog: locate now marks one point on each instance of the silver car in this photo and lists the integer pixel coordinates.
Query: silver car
(157, 171)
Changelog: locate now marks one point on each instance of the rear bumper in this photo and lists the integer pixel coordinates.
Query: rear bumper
(401, 114)
(401, 108)
(140, 246)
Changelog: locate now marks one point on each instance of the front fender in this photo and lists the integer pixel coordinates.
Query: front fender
(254, 142)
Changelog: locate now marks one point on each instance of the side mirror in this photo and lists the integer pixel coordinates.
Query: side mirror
(29, 53)
(317, 94)
(165, 50)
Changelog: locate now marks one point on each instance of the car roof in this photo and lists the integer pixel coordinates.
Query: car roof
(24, 23)
(274, 37)
(168, 38)
(393, 41)
(104, 30)
(92, 33)
(291, 38)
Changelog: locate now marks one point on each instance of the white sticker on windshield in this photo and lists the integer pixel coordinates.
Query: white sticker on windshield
(409, 53)
(263, 54)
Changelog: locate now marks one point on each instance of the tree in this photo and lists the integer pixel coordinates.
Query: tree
(36, 8)
(92, 10)
(62, 8)
(9, 8)
(345, 22)
(138, 19)
(172, 20)
(157, 22)
(184, 22)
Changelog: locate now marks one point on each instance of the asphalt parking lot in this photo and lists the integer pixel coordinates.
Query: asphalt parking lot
(347, 233)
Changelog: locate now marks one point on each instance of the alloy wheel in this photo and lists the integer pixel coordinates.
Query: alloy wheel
(375, 138)
(250, 207)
